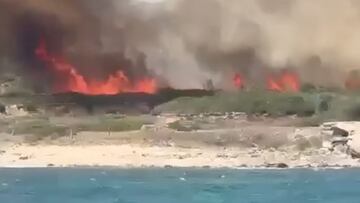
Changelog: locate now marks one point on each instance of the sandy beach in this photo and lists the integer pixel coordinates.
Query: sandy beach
(129, 156)
(82, 154)
(253, 145)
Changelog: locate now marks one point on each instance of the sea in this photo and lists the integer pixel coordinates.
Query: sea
(109, 185)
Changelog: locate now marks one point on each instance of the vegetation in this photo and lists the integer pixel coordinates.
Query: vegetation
(312, 105)
(315, 106)
(37, 128)
(104, 124)
(182, 126)
(257, 102)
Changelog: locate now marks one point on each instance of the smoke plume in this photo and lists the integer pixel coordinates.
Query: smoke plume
(183, 43)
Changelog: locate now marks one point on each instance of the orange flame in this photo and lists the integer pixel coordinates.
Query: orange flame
(286, 82)
(274, 85)
(239, 81)
(75, 82)
(352, 81)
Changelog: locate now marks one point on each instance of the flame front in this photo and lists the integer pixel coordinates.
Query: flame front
(287, 81)
(116, 83)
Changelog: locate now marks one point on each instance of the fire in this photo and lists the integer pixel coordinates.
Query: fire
(68, 79)
(274, 85)
(287, 81)
(353, 80)
(239, 81)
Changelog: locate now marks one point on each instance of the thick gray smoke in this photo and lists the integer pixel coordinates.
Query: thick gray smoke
(186, 42)
(318, 38)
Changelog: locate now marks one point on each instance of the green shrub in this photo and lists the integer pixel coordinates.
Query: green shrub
(179, 126)
(308, 88)
(39, 129)
(105, 124)
(254, 102)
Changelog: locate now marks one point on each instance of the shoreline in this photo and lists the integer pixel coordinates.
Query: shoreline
(129, 156)
(177, 168)
(248, 147)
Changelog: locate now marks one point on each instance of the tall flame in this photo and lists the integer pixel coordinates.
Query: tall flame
(239, 81)
(68, 79)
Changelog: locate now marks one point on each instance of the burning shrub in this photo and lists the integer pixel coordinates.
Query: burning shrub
(239, 81)
(69, 79)
(353, 81)
(286, 81)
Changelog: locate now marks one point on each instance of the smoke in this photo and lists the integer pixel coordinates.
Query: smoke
(313, 37)
(186, 42)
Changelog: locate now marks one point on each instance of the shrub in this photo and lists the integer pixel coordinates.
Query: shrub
(105, 124)
(179, 126)
(253, 102)
(39, 129)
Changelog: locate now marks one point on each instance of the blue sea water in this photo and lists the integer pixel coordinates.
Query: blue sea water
(178, 186)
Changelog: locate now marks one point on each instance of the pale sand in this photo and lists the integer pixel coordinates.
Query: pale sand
(134, 156)
(240, 148)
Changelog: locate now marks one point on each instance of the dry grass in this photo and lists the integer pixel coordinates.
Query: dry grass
(38, 128)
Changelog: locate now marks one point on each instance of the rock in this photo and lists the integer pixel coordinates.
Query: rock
(324, 165)
(186, 156)
(243, 166)
(339, 140)
(342, 148)
(277, 165)
(16, 110)
(282, 165)
(327, 133)
(345, 137)
(354, 154)
(147, 127)
(2, 109)
(224, 156)
(354, 143)
(325, 126)
(255, 155)
(340, 132)
(327, 144)
(24, 158)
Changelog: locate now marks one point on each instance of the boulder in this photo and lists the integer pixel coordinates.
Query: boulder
(354, 154)
(147, 127)
(276, 165)
(344, 135)
(354, 143)
(340, 132)
(16, 110)
(2, 109)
